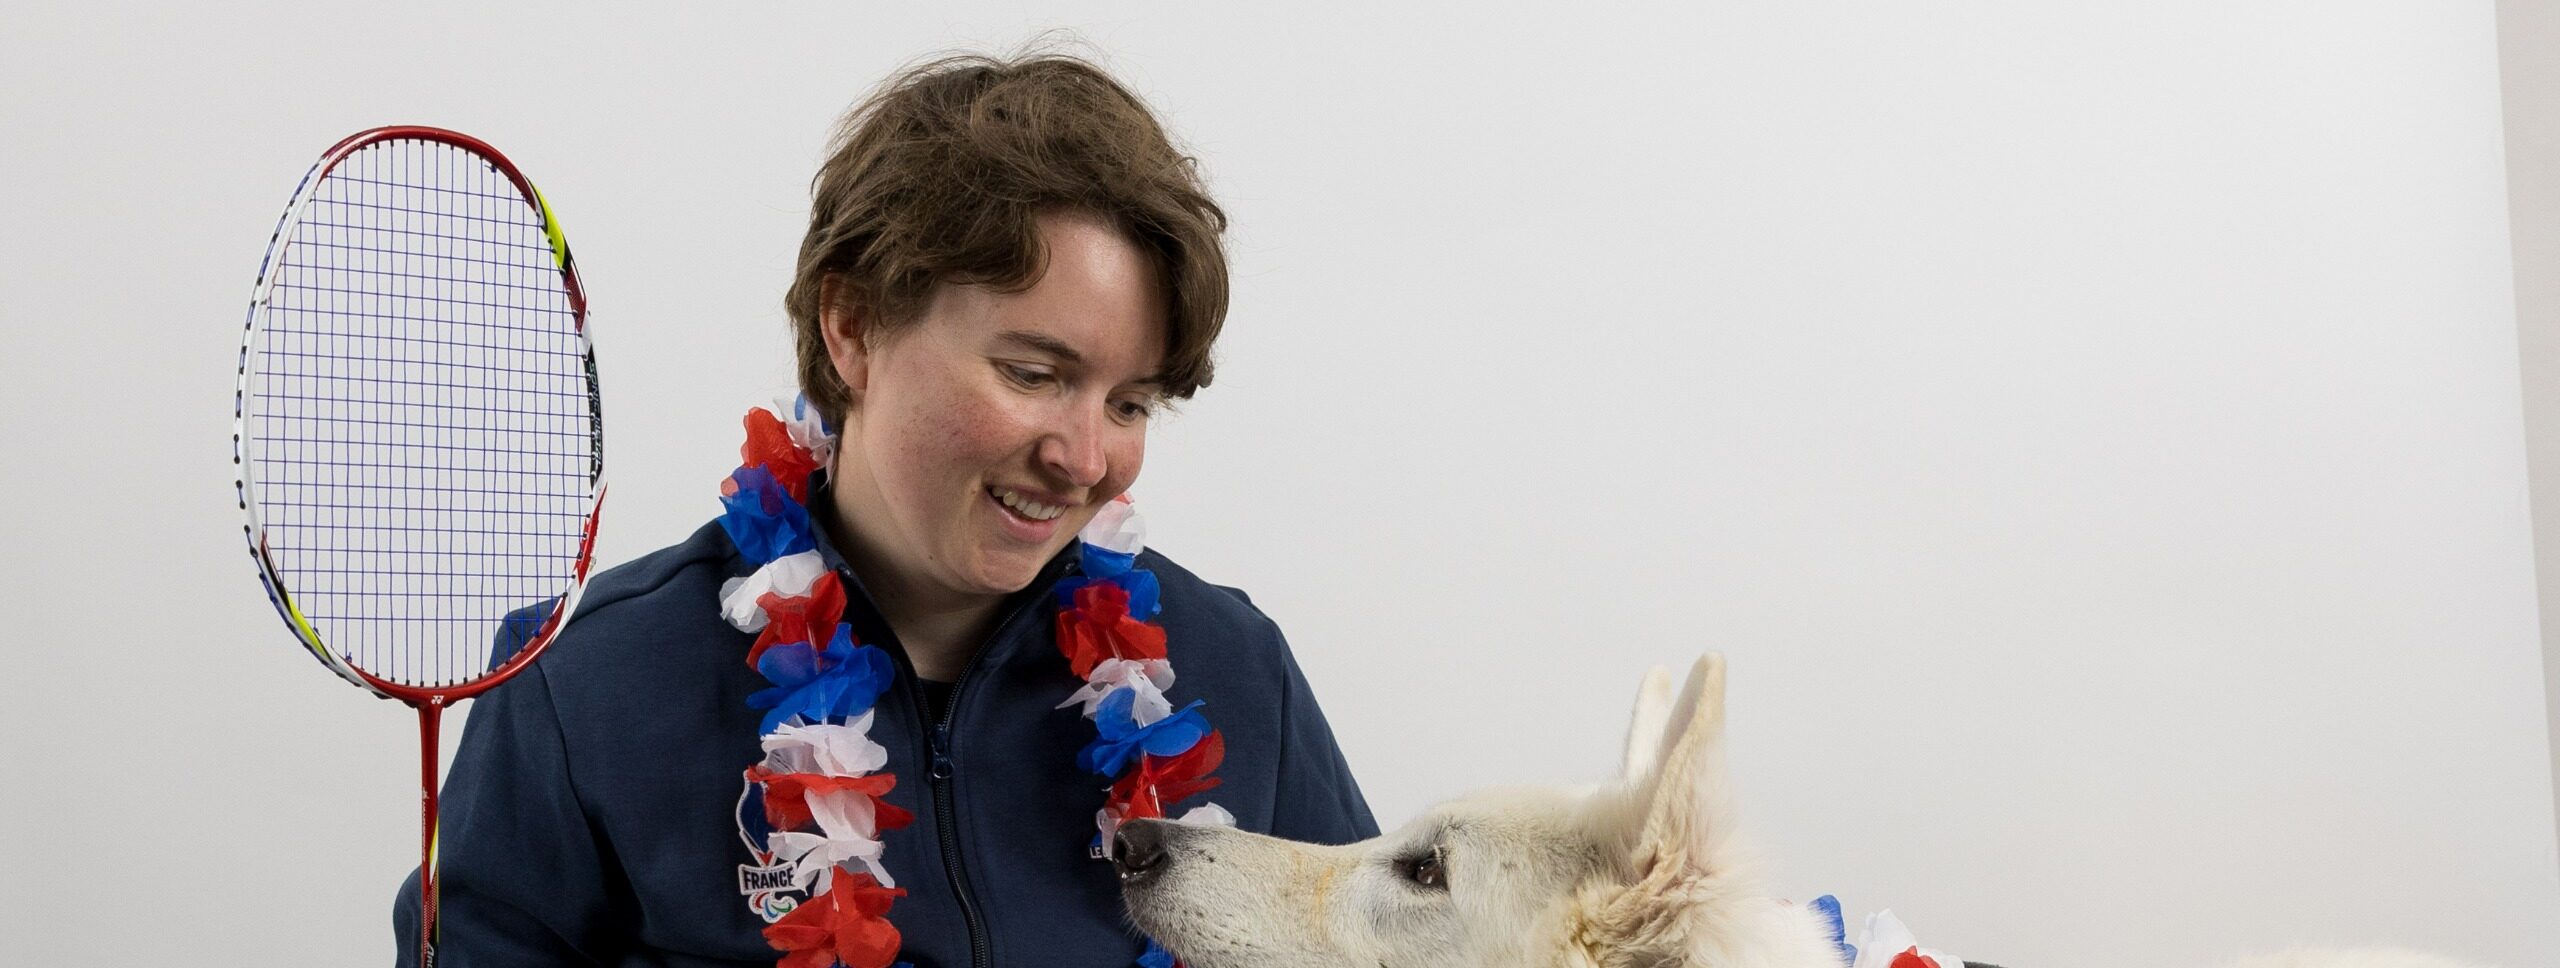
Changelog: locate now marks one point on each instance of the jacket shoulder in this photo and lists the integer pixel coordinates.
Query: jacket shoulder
(1186, 593)
(706, 550)
(672, 587)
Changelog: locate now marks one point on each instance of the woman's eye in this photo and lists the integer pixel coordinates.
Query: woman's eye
(1424, 870)
(1134, 409)
(1025, 376)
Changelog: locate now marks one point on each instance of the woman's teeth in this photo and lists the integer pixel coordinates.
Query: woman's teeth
(1028, 508)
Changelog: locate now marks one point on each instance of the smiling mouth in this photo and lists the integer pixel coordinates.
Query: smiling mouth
(1027, 508)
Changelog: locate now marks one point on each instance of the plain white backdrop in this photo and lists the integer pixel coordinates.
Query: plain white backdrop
(2091, 430)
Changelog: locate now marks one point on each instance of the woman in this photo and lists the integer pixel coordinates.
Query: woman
(1008, 269)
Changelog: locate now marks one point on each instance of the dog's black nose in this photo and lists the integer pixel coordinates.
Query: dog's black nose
(1138, 847)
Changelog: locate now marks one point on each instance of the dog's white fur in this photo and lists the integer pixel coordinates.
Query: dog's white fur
(1645, 873)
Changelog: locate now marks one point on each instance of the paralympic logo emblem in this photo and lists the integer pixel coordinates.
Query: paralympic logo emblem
(767, 885)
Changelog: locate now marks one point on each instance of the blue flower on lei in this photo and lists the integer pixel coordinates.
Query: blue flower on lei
(1120, 739)
(762, 519)
(1155, 956)
(829, 685)
(1829, 908)
(1103, 564)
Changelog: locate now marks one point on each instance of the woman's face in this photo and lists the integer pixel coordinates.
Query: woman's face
(984, 436)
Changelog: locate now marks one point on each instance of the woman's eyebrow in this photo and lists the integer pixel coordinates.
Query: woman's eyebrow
(1045, 343)
(1042, 342)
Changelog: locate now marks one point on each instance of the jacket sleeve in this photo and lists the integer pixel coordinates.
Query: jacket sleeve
(523, 878)
(1316, 799)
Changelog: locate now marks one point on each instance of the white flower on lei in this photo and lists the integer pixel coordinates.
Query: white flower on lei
(788, 576)
(1116, 527)
(1207, 815)
(849, 831)
(800, 417)
(1885, 939)
(828, 749)
(1150, 677)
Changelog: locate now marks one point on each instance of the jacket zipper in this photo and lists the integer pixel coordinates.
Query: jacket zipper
(947, 821)
(938, 749)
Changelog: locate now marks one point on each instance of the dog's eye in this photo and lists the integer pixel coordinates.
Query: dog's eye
(1424, 870)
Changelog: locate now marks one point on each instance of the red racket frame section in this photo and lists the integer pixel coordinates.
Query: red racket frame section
(430, 701)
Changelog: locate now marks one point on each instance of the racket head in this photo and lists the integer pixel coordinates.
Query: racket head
(418, 428)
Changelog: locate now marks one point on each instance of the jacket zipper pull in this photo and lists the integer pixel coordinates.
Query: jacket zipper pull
(942, 752)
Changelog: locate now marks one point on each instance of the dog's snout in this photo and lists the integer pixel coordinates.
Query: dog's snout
(1138, 847)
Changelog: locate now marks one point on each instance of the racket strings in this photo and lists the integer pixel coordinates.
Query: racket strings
(420, 413)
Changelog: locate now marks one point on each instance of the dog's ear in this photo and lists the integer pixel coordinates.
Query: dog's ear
(1644, 728)
(1686, 811)
(1668, 825)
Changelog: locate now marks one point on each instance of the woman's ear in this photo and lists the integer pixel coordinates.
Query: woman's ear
(843, 320)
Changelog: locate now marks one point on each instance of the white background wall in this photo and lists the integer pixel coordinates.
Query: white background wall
(2529, 63)
(2092, 430)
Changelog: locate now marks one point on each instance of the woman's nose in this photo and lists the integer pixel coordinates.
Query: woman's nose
(1074, 450)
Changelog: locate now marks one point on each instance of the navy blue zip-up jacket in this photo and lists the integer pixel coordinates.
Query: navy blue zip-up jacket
(591, 813)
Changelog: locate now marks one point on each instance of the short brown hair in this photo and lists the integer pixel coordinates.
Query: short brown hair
(937, 176)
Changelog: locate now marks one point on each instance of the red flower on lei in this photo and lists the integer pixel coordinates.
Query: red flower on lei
(807, 618)
(786, 796)
(1099, 627)
(842, 926)
(769, 443)
(1142, 793)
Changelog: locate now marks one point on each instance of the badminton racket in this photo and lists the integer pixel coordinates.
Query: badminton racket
(419, 435)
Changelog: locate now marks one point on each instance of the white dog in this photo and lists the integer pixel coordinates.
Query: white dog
(1647, 873)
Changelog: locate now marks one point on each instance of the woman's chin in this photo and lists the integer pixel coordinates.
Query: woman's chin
(1005, 571)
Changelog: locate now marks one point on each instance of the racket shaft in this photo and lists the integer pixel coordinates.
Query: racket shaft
(430, 715)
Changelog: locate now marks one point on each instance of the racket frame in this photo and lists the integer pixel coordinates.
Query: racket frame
(430, 701)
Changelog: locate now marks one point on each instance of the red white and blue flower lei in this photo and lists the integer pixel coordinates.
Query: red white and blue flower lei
(820, 767)
(1884, 943)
